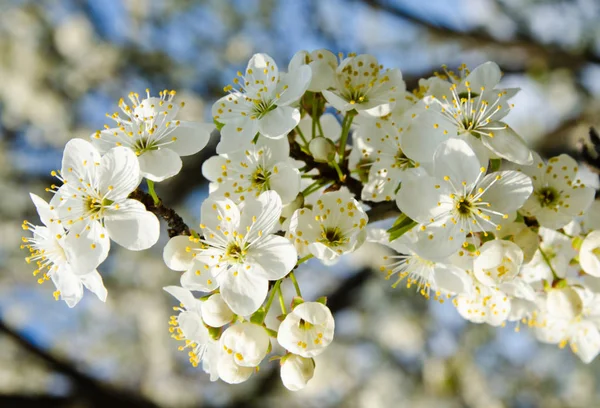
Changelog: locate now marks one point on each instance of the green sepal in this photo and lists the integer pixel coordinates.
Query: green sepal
(322, 300)
(495, 164)
(214, 332)
(271, 333)
(489, 237)
(576, 243)
(402, 225)
(258, 317)
(297, 300)
(218, 124)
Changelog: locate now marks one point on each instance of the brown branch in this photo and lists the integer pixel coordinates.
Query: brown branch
(85, 387)
(554, 56)
(176, 224)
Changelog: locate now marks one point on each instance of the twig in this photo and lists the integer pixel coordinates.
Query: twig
(176, 224)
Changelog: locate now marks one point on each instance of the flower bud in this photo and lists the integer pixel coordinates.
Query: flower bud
(289, 208)
(215, 311)
(296, 371)
(322, 149)
(499, 261)
(564, 303)
(589, 256)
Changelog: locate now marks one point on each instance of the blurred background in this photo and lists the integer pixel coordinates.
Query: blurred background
(65, 63)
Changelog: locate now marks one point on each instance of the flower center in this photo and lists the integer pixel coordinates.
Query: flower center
(235, 252)
(548, 197)
(143, 144)
(401, 161)
(262, 107)
(95, 206)
(332, 236)
(464, 207)
(304, 325)
(260, 179)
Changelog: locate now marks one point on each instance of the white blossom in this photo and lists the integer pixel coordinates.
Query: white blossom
(307, 330)
(322, 64)
(93, 199)
(261, 167)
(238, 251)
(469, 107)
(243, 347)
(558, 196)
(296, 371)
(589, 254)
(60, 256)
(335, 226)
(150, 129)
(363, 85)
(460, 197)
(262, 104)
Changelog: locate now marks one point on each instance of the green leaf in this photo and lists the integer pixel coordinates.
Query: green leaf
(402, 225)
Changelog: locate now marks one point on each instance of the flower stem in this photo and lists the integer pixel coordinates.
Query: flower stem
(313, 187)
(304, 259)
(152, 192)
(281, 300)
(295, 282)
(314, 118)
(547, 259)
(272, 296)
(340, 174)
(320, 127)
(344, 138)
(301, 134)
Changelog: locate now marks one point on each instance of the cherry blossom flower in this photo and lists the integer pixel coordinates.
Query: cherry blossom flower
(558, 196)
(262, 103)
(296, 371)
(307, 330)
(363, 85)
(335, 225)
(150, 129)
(460, 197)
(93, 198)
(244, 346)
(244, 173)
(61, 257)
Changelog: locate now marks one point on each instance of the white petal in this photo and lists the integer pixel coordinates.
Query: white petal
(176, 254)
(297, 81)
(158, 165)
(296, 371)
(201, 277)
(232, 373)
(508, 191)
(261, 214)
(507, 144)
(337, 101)
(456, 159)
(243, 292)
(86, 248)
(191, 137)
(272, 258)
(184, 297)
(286, 182)
(93, 282)
(215, 311)
(43, 209)
(119, 173)
(79, 158)
(586, 343)
(249, 340)
(237, 135)
(423, 137)
(279, 122)
(487, 75)
(131, 226)
(219, 213)
(588, 258)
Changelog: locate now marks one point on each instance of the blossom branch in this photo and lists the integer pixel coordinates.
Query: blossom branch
(176, 224)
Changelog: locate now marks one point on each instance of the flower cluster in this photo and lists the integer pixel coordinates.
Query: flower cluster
(304, 157)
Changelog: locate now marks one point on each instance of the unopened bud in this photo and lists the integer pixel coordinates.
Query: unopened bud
(322, 149)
